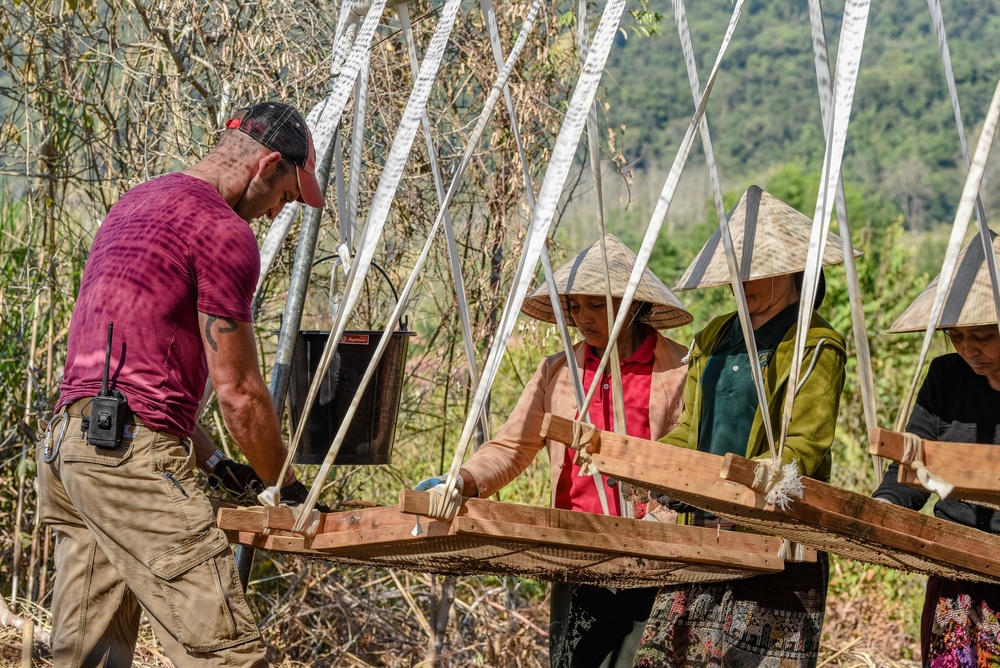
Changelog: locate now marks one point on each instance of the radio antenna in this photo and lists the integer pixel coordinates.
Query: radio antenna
(107, 362)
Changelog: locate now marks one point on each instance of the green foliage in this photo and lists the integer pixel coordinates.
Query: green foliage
(764, 110)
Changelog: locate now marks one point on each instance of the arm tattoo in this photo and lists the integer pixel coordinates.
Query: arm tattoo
(222, 330)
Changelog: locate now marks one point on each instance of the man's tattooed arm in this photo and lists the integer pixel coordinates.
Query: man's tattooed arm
(228, 328)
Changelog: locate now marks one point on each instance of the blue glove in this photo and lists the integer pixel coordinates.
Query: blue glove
(438, 481)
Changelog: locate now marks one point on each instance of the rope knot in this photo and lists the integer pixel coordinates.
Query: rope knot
(777, 483)
(583, 434)
(913, 456)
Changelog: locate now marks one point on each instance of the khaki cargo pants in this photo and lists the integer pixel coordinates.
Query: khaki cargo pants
(133, 530)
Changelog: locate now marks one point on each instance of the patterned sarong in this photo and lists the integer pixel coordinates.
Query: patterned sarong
(767, 621)
(959, 628)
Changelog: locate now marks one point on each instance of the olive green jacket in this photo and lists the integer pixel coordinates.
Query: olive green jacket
(817, 400)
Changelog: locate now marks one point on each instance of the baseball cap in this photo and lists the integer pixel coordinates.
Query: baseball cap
(280, 127)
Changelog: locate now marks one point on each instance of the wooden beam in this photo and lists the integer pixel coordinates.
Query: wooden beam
(974, 468)
(826, 517)
(614, 535)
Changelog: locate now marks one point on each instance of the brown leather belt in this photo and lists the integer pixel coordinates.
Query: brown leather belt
(76, 410)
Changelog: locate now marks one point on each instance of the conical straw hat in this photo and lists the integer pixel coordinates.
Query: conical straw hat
(969, 302)
(584, 275)
(778, 243)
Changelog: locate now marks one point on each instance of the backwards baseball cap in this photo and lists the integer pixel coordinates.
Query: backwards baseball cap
(280, 127)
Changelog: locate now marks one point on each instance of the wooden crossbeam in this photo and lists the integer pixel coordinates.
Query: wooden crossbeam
(973, 468)
(614, 535)
(511, 539)
(827, 517)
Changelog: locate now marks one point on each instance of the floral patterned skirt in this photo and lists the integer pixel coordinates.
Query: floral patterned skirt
(960, 627)
(767, 621)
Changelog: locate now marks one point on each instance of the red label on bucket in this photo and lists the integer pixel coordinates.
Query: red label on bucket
(361, 339)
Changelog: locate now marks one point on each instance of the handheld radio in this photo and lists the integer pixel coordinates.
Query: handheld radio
(108, 409)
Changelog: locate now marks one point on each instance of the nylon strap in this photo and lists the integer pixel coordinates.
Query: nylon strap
(381, 203)
(324, 118)
(735, 276)
(544, 211)
(966, 204)
(984, 231)
(449, 232)
(407, 289)
(561, 326)
(859, 327)
(666, 195)
(848, 62)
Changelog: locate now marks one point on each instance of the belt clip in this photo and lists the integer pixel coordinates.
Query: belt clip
(49, 451)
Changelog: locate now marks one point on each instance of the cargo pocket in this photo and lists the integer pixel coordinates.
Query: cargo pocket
(76, 449)
(203, 605)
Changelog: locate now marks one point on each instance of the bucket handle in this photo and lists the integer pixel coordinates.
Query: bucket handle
(403, 324)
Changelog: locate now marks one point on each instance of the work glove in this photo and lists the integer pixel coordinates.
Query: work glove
(670, 503)
(441, 507)
(239, 481)
(433, 484)
(295, 494)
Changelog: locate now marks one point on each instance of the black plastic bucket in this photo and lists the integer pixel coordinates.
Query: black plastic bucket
(370, 437)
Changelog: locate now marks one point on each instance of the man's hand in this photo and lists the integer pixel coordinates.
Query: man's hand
(295, 495)
(671, 503)
(239, 481)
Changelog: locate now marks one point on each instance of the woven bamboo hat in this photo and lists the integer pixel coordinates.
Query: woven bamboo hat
(969, 302)
(584, 275)
(770, 237)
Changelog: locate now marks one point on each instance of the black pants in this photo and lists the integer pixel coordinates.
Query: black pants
(595, 627)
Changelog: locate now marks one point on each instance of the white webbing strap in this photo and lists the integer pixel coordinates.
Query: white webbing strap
(561, 326)
(984, 231)
(859, 327)
(449, 232)
(324, 118)
(735, 275)
(969, 193)
(848, 62)
(544, 212)
(666, 196)
(594, 150)
(381, 203)
(350, 51)
(407, 289)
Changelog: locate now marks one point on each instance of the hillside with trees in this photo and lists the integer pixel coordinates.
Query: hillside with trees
(764, 111)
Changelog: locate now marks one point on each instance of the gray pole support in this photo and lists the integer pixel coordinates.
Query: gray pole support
(290, 321)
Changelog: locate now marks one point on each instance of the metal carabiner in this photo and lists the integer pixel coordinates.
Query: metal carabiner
(50, 450)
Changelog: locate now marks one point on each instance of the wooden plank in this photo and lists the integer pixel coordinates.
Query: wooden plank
(974, 468)
(374, 526)
(853, 516)
(720, 554)
(614, 535)
(240, 519)
(593, 531)
(515, 540)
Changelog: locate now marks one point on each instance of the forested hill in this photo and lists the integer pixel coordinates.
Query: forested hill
(764, 111)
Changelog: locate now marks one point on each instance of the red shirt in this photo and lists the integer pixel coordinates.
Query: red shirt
(168, 249)
(576, 492)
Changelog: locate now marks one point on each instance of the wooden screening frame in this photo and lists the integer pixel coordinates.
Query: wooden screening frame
(490, 537)
(826, 517)
(974, 468)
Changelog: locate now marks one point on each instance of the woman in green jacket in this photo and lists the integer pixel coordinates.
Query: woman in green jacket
(766, 620)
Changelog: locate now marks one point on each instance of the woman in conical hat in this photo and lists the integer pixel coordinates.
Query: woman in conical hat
(959, 402)
(705, 624)
(591, 626)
